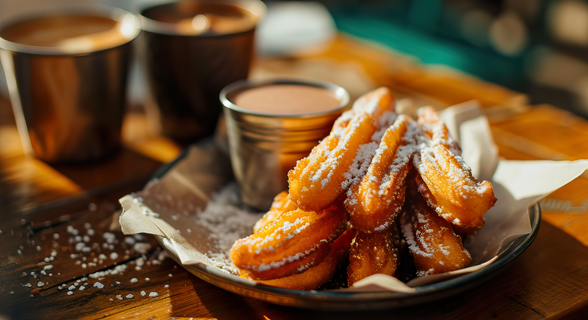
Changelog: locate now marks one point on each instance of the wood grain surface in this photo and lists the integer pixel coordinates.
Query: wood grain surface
(41, 203)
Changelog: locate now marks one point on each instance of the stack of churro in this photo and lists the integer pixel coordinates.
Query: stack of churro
(380, 183)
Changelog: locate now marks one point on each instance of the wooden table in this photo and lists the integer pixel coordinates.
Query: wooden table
(41, 205)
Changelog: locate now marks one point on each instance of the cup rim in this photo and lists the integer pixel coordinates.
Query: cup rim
(245, 84)
(255, 7)
(113, 13)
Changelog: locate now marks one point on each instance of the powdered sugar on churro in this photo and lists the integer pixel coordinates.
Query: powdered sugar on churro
(361, 163)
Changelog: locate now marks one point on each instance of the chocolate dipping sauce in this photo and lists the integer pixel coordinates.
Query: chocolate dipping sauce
(287, 99)
(193, 18)
(69, 32)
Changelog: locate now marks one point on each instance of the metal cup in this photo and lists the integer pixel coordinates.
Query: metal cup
(264, 147)
(187, 71)
(69, 102)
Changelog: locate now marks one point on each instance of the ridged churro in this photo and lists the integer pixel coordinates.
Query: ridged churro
(374, 201)
(431, 240)
(282, 203)
(320, 179)
(320, 274)
(294, 242)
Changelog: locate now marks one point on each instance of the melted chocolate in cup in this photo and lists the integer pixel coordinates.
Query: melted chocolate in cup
(287, 99)
(192, 50)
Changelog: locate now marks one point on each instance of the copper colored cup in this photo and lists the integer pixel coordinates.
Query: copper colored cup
(69, 102)
(186, 72)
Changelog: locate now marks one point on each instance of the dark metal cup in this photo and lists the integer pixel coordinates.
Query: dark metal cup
(186, 72)
(69, 102)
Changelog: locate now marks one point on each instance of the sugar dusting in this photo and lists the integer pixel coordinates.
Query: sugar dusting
(228, 222)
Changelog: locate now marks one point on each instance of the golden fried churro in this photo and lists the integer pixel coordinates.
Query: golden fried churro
(374, 201)
(282, 204)
(320, 179)
(432, 131)
(458, 197)
(320, 274)
(451, 189)
(294, 242)
(372, 253)
(431, 240)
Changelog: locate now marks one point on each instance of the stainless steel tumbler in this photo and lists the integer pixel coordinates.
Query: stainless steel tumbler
(69, 101)
(264, 147)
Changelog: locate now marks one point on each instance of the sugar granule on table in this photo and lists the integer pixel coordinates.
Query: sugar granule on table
(153, 294)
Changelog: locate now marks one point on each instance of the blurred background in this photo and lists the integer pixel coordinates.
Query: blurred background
(536, 47)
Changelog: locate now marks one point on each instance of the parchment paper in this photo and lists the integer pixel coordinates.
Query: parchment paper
(169, 207)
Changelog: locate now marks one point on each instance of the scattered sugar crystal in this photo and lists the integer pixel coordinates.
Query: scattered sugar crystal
(83, 279)
(140, 262)
(53, 253)
(69, 293)
(102, 256)
(147, 279)
(90, 232)
(119, 297)
(82, 288)
(110, 247)
(70, 229)
(80, 246)
(72, 287)
(43, 272)
(11, 292)
(48, 267)
(51, 274)
(19, 252)
(92, 206)
(27, 285)
(153, 294)
(143, 293)
(134, 280)
(38, 248)
(130, 240)
(130, 296)
(141, 247)
(40, 284)
(75, 232)
(167, 285)
(108, 235)
(111, 299)
(170, 275)
(56, 236)
(86, 238)
(84, 265)
(114, 256)
(78, 238)
(73, 255)
(87, 225)
(47, 260)
(86, 249)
